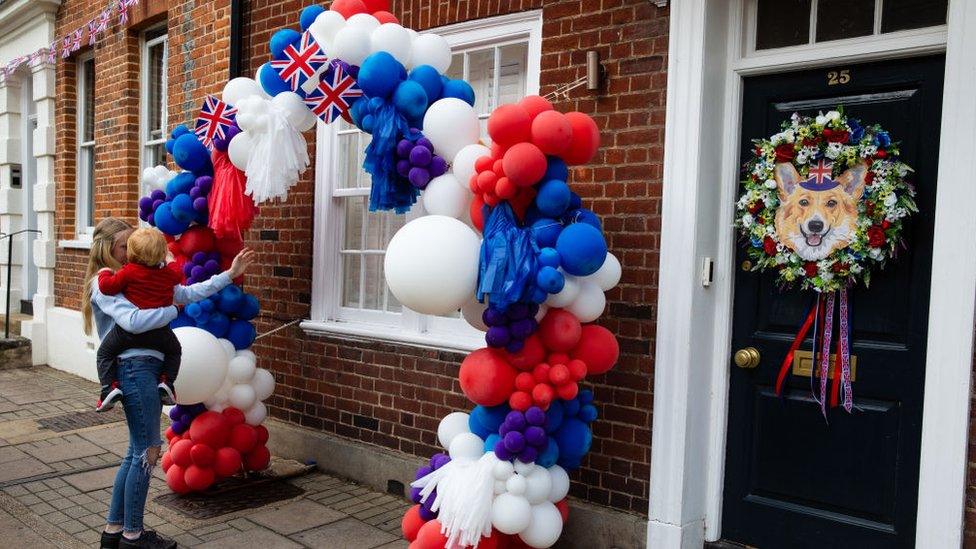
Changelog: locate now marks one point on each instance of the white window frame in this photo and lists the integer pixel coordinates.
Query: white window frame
(145, 140)
(84, 181)
(327, 314)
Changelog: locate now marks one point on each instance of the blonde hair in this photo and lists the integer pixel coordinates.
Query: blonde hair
(147, 246)
(100, 257)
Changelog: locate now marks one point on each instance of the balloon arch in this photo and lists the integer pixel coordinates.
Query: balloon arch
(504, 240)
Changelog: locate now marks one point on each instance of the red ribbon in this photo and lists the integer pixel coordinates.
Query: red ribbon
(797, 341)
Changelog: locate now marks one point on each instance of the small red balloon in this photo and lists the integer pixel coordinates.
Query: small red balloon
(202, 455)
(258, 459)
(577, 369)
(541, 372)
(174, 478)
(385, 17)
(227, 462)
(198, 478)
(483, 163)
(486, 181)
(542, 395)
(430, 537)
(505, 189)
(233, 416)
(477, 213)
(167, 461)
(497, 150)
(509, 124)
(486, 377)
(181, 453)
(262, 433)
(524, 382)
(560, 330)
(210, 428)
(373, 6)
(524, 164)
(563, 506)
(567, 391)
(559, 374)
(348, 8)
(498, 167)
(198, 238)
(551, 132)
(411, 523)
(531, 354)
(586, 139)
(229, 246)
(597, 348)
(520, 400)
(558, 358)
(491, 199)
(170, 434)
(243, 438)
(535, 105)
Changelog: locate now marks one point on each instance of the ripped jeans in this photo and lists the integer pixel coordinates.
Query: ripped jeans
(138, 377)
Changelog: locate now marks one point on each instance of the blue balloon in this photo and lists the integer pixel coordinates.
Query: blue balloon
(553, 198)
(459, 89)
(230, 299)
(575, 201)
(581, 248)
(379, 75)
(548, 257)
(477, 428)
(376, 103)
(169, 145)
(585, 396)
(182, 208)
(368, 122)
(571, 407)
(179, 130)
(430, 79)
(249, 307)
(180, 184)
(190, 154)
(166, 222)
(217, 324)
(207, 305)
(554, 415)
(358, 110)
(550, 280)
(282, 39)
(308, 16)
(546, 232)
(549, 456)
(491, 441)
(182, 320)
(582, 215)
(574, 439)
(271, 81)
(488, 418)
(410, 99)
(192, 310)
(556, 169)
(241, 333)
(587, 413)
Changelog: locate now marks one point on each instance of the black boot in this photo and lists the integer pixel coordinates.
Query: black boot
(110, 541)
(148, 540)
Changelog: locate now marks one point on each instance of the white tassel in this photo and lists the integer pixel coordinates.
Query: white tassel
(279, 157)
(465, 490)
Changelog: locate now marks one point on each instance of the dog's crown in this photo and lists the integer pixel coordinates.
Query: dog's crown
(820, 177)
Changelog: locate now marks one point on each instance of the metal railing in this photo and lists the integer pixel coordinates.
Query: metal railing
(10, 260)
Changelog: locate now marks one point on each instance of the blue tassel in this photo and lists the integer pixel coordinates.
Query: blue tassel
(508, 265)
(389, 190)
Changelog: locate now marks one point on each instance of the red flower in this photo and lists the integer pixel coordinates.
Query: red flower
(835, 136)
(811, 141)
(876, 236)
(756, 207)
(869, 208)
(811, 269)
(885, 224)
(769, 245)
(785, 152)
(868, 178)
(881, 154)
(839, 267)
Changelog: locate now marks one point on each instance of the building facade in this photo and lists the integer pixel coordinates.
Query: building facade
(685, 85)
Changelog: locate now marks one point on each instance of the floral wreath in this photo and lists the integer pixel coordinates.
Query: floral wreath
(818, 150)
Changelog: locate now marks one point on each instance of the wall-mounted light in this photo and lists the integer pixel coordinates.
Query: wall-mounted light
(593, 70)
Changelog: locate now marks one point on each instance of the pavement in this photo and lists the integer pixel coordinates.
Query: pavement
(58, 461)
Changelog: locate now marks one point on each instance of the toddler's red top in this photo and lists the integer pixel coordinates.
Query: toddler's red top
(146, 287)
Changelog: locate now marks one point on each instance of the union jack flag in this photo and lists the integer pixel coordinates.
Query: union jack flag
(91, 32)
(123, 12)
(52, 52)
(76, 39)
(300, 63)
(333, 96)
(66, 47)
(103, 20)
(215, 118)
(821, 172)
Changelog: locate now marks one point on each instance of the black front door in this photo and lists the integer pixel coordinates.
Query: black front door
(792, 478)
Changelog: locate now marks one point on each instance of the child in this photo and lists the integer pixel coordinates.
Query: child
(148, 283)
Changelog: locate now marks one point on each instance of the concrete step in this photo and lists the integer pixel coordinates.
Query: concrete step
(15, 320)
(15, 352)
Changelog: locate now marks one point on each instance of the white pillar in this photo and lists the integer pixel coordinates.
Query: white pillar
(11, 199)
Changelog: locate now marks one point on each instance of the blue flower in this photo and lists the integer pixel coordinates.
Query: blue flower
(756, 243)
(857, 132)
(884, 139)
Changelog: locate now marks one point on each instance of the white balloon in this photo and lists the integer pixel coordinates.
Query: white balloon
(431, 264)
(241, 369)
(239, 150)
(445, 196)
(466, 446)
(393, 39)
(295, 110)
(363, 21)
(510, 514)
(263, 383)
(249, 354)
(432, 49)
(452, 425)
(524, 468)
(538, 486)
(499, 487)
(502, 470)
(589, 304)
(239, 88)
(203, 365)
(543, 308)
(560, 483)
(325, 28)
(241, 396)
(472, 311)
(463, 164)
(567, 295)
(252, 114)
(229, 349)
(545, 526)
(256, 413)
(218, 407)
(451, 124)
(352, 45)
(608, 275)
(517, 485)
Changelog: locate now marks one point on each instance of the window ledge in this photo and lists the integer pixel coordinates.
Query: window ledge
(77, 244)
(392, 334)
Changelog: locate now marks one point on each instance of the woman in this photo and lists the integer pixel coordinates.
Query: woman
(139, 371)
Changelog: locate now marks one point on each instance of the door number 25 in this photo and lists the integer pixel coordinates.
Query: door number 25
(835, 78)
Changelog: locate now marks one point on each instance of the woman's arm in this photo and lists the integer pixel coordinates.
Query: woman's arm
(203, 290)
(129, 317)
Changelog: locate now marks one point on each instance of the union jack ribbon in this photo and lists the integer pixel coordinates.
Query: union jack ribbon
(845, 351)
(334, 95)
(123, 12)
(215, 118)
(66, 47)
(103, 20)
(91, 32)
(32, 61)
(825, 351)
(76, 39)
(52, 52)
(299, 64)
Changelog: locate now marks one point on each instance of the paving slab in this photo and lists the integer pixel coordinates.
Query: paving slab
(295, 517)
(63, 451)
(23, 468)
(11, 453)
(258, 538)
(345, 533)
(93, 480)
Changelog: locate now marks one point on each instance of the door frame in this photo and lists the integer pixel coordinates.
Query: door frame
(707, 61)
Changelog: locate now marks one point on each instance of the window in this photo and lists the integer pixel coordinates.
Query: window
(85, 205)
(500, 58)
(153, 97)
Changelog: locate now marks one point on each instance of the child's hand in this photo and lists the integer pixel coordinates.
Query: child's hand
(105, 269)
(241, 263)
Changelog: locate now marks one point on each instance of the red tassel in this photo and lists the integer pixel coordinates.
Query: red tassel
(231, 211)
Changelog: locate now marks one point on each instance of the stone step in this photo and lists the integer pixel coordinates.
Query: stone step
(15, 352)
(15, 320)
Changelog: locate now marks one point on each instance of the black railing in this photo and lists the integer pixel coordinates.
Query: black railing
(10, 260)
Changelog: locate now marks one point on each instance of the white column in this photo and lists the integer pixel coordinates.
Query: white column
(11, 199)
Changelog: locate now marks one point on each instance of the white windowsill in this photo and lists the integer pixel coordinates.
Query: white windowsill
(392, 334)
(77, 244)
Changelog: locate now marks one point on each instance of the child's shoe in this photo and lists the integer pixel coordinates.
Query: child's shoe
(109, 396)
(167, 393)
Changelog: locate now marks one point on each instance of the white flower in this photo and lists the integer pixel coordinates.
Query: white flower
(833, 115)
(868, 150)
(747, 220)
(875, 253)
(770, 183)
(826, 276)
(890, 200)
(856, 268)
(834, 150)
(821, 119)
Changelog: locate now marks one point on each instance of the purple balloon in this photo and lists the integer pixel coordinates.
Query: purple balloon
(205, 182)
(528, 454)
(403, 148)
(517, 311)
(536, 436)
(521, 329)
(199, 257)
(493, 317)
(211, 266)
(415, 495)
(157, 195)
(195, 192)
(197, 272)
(188, 269)
(438, 166)
(535, 416)
(175, 413)
(515, 420)
(145, 203)
(423, 472)
(514, 442)
(439, 460)
(427, 514)
(178, 427)
(498, 336)
(419, 177)
(501, 453)
(420, 156)
(425, 143)
(151, 220)
(144, 215)
(200, 204)
(156, 204)
(403, 167)
(515, 345)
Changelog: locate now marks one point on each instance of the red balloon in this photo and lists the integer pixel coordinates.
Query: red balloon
(430, 536)
(233, 416)
(385, 17)
(181, 453)
(483, 163)
(535, 105)
(586, 139)
(198, 478)
(496, 540)
(198, 238)
(411, 523)
(505, 189)
(373, 6)
(563, 506)
(560, 330)
(577, 369)
(262, 433)
(524, 382)
(524, 164)
(509, 124)
(170, 434)
(486, 377)
(167, 461)
(229, 246)
(520, 400)
(477, 213)
(174, 478)
(258, 459)
(348, 8)
(227, 461)
(542, 395)
(210, 428)
(551, 132)
(202, 455)
(597, 348)
(498, 150)
(243, 438)
(531, 354)
(567, 391)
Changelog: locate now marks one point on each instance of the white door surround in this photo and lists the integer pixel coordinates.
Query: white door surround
(707, 59)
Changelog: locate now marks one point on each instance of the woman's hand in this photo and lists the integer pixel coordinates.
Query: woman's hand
(242, 262)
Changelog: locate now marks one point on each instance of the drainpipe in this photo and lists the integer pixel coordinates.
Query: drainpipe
(236, 67)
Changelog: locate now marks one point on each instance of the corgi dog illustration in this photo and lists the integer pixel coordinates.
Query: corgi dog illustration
(817, 215)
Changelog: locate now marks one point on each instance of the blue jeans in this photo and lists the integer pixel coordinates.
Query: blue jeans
(138, 377)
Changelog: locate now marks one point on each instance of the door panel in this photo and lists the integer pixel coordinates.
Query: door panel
(794, 478)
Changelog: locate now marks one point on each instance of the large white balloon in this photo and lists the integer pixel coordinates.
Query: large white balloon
(472, 312)
(256, 413)
(431, 264)
(545, 526)
(295, 110)
(352, 45)
(445, 196)
(589, 304)
(510, 514)
(538, 486)
(452, 425)
(432, 49)
(567, 295)
(240, 369)
(560, 484)
(240, 149)
(263, 383)
(393, 39)
(363, 21)
(229, 349)
(239, 88)
(241, 396)
(252, 114)
(608, 275)
(451, 124)
(466, 446)
(325, 28)
(463, 165)
(203, 365)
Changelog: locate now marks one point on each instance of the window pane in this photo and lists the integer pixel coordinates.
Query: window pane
(481, 74)
(373, 281)
(88, 99)
(839, 19)
(350, 280)
(456, 70)
(912, 14)
(354, 223)
(88, 178)
(511, 86)
(782, 23)
(156, 98)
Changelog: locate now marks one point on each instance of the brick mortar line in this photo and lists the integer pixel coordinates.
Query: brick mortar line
(49, 532)
(54, 474)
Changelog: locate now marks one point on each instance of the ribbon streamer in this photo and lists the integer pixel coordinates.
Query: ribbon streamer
(825, 351)
(845, 350)
(784, 369)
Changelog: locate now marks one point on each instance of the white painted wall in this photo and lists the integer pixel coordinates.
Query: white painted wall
(69, 349)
